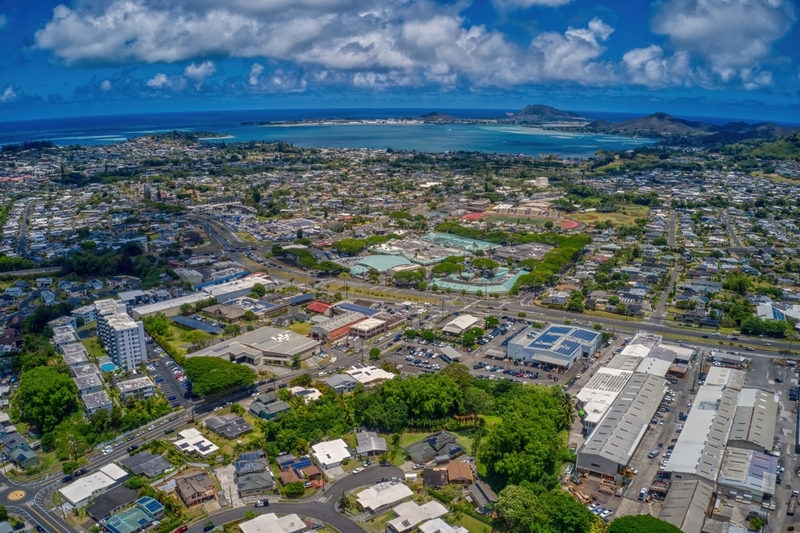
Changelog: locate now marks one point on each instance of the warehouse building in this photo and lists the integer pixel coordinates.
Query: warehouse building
(254, 347)
(700, 447)
(555, 346)
(615, 439)
(686, 505)
(747, 473)
(755, 420)
(599, 393)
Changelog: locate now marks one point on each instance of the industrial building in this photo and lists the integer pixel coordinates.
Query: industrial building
(747, 473)
(555, 346)
(599, 394)
(616, 437)
(272, 344)
(686, 505)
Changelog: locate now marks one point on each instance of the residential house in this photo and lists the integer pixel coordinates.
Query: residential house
(437, 444)
(230, 426)
(256, 484)
(111, 502)
(195, 489)
(482, 496)
(342, 383)
(434, 477)
(459, 472)
(369, 444)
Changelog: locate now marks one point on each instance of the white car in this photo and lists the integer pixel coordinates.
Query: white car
(358, 470)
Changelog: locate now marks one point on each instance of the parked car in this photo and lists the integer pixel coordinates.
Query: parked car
(262, 503)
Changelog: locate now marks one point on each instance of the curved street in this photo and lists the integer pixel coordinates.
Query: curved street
(321, 507)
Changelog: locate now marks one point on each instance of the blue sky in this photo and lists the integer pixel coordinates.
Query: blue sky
(734, 58)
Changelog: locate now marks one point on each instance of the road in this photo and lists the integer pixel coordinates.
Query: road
(321, 507)
(734, 238)
(658, 314)
(673, 221)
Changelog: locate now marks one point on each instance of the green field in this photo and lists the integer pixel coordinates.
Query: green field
(473, 525)
(624, 216)
(94, 347)
(301, 328)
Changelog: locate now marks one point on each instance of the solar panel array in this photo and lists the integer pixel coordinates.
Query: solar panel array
(584, 335)
(197, 324)
(559, 330)
(302, 298)
(568, 347)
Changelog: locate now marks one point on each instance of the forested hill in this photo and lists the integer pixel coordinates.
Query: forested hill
(785, 148)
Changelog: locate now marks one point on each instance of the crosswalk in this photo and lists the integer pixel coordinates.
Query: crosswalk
(3, 487)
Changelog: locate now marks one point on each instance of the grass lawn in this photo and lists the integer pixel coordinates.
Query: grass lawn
(464, 439)
(246, 237)
(408, 438)
(94, 347)
(473, 525)
(90, 325)
(301, 328)
(378, 525)
(491, 420)
(624, 216)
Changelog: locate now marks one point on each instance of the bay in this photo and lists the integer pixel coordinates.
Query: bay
(103, 130)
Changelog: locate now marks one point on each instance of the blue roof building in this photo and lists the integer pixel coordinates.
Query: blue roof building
(138, 518)
(555, 346)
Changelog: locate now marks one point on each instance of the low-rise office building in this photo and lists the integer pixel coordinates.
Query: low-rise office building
(555, 346)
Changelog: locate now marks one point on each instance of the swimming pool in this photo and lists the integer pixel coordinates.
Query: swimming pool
(108, 367)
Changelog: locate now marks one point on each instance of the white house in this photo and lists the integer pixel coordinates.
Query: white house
(331, 453)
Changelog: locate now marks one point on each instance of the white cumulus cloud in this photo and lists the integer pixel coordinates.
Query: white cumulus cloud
(161, 80)
(509, 5)
(199, 73)
(730, 37)
(8, 95)
(105, 85)
(3, 21)
(255, 72)
(364, 42)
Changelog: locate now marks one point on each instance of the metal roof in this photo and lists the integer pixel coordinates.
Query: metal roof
(620, 431)
(702, 443)
(686, 505)
(755, 418)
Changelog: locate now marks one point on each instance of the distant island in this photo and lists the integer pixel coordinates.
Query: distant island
(658, 125)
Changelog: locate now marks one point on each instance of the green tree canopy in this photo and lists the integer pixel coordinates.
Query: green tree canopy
(46, 396)
(210, 375)
(527, 508)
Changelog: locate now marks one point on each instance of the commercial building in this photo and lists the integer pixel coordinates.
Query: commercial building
(79, 492)
(75, 354)
(337, 327)
(331, 453)
(368, 374)
(382, 496)
(460, 324)
(616, 437)
(169, 307)
(142, 387)
(267, 343)
(122, 338)
(555, 346)
(236, 288)
(755, 419)
(188, 274)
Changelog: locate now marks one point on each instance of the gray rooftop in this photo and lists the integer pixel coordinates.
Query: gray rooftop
(686, 505)
(134, 384)
(619, 432)
(265, 340)
(93, 400)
